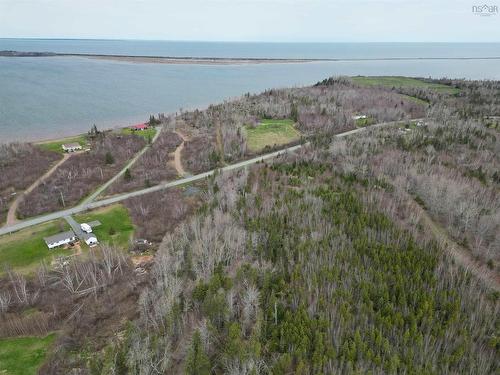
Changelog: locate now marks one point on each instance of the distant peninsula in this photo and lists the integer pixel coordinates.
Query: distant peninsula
(162, 59)
(220, 60)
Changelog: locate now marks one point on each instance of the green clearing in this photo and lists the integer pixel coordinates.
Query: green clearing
(415, 99)
(362, 122)
(55, 145)
(270, 133)
(24, 355)
(116, 226)
(25, 249)
(146, 134)
(395, 81)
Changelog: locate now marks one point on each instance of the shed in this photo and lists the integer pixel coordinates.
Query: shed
(90, 239)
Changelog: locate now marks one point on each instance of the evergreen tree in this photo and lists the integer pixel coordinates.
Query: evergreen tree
(109, 158)
(294, 113)
(127, 176)
(197, 362)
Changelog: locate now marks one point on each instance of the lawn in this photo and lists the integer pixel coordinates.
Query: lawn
(146, 134)
(24, 355)
(25, 249)
(270, 133)
(55, 145)
(395, 81)
(116, 227)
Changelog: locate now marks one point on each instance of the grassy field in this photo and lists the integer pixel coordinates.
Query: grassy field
(56, 144)
(403, 82)
(23, 355)
(146, 134)
(271, 133)
(116, 227)
(415, 100)
(25, 249)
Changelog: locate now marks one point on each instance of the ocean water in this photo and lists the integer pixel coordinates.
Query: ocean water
(47, 97)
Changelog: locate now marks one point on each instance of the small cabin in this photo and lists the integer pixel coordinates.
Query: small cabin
(71, 147)
(60, 239)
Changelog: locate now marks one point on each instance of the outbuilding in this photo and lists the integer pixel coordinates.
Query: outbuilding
(90, 239)
(60, 239)
(71, 147)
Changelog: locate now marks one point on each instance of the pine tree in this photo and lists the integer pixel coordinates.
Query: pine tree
(109, 158)
(127, 176)
(294, 113)
(197, 362)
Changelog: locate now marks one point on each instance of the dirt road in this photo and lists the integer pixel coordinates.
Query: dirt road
(460, 254)
(132, 161)
(178, 155)
(11, 215)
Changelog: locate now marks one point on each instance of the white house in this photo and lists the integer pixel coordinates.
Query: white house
(60, 239)
(359, 117)
(71, 147)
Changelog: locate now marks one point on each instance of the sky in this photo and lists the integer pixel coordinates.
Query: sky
(251, 20)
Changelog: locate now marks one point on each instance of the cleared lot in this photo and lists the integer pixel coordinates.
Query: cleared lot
(271, 133)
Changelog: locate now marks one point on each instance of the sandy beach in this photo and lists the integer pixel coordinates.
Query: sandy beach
(194, 60)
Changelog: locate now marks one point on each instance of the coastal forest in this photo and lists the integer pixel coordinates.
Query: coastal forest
(375, 252)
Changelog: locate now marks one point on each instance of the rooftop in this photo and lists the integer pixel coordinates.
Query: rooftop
(59, 237)
(71, 145)
(140, 126)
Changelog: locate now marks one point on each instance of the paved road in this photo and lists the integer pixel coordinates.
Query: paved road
(118, 198)
(98, 192)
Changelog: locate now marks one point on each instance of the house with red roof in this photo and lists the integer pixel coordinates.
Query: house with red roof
(139, 127)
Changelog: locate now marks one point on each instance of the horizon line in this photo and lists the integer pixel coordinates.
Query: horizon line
(246, 41)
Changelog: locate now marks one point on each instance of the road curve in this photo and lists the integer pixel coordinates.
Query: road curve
(89, 205)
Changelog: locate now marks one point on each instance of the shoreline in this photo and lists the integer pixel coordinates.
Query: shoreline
(71, 136)
(106, 129)
(192, 60)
